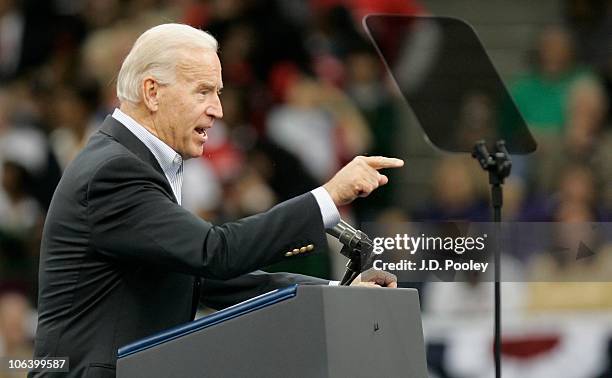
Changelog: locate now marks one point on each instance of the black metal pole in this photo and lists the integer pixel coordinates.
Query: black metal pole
(496, 191)
(498, 164)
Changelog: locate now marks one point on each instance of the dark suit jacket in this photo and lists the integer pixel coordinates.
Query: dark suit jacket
(121, 260)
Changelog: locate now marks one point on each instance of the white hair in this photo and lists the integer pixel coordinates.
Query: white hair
(155, 53)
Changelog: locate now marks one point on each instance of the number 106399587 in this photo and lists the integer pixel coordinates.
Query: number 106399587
(54, 364)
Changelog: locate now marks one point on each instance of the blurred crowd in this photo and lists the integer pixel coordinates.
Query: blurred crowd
(304, 93)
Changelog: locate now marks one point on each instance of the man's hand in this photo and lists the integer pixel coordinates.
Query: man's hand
(375, 278)
(359, 178)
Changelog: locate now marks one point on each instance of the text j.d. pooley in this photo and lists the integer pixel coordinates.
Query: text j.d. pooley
(432, 265)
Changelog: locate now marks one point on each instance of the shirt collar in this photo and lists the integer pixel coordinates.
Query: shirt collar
(169, 160)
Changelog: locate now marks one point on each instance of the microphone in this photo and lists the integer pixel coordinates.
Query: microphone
(347, 234)
(357, 246)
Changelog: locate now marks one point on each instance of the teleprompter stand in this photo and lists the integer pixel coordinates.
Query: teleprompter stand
(498, 164)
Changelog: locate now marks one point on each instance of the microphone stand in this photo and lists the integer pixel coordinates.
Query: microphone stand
(357, 247)
(356, 257)
(352, 267)
(498, 164)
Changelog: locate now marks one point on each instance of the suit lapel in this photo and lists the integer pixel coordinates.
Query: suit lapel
(121, 134)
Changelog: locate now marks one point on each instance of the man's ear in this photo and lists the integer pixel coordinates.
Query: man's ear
(150, 93)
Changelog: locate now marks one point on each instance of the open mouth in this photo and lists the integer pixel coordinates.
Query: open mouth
(201, 131)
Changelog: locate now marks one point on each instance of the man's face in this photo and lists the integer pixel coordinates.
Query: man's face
(189, 106)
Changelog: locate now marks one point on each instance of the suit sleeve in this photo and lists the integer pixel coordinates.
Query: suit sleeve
(132, 218)
(219, 294)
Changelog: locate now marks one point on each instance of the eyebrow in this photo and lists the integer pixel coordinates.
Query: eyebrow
(208, 85)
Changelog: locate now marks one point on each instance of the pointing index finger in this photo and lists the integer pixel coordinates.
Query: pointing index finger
(380, 162)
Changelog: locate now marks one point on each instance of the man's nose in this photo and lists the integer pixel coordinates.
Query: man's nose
(215, 109)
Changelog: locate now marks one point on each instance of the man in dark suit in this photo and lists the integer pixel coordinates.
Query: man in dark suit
(120, 258)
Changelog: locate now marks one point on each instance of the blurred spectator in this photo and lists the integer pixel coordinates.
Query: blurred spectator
(74, 107)
(26, 145)
(574, 273)
(576, 184)
(542, 94)
(329, 41)
(11, 38)
(21, 219)
(25, 36)
(587, 108)
(21, 143)
(319, 125)
(366, 87)
(455, 193)
(15, 330)
(583, 139)
(19, 212)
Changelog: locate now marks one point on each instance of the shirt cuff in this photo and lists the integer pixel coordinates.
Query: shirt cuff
(329, 212)
(334, 283)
